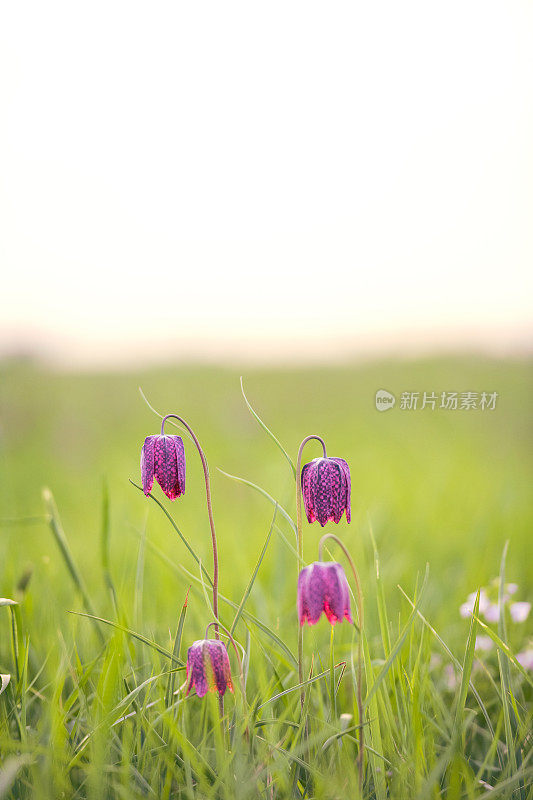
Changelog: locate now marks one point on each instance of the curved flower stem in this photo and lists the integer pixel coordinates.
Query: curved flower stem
(300, 543)
(209, 510)
(359, 595)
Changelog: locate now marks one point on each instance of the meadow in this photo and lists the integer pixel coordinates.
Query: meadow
(107, 596)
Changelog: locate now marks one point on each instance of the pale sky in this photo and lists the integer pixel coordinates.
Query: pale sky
(268, 179)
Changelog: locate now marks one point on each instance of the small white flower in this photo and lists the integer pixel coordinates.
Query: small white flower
(512, 588)
(492, 612)
(484, 643)
(520, 611)
(467, 609)
(450, 678)
(526, 658)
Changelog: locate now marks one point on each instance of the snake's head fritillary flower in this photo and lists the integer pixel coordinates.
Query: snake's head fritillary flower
(322, 587)
(163, 458)
(326, 490)
(208, 668)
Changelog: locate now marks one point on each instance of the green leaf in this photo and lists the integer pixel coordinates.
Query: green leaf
(179, 568)
(176, 650)
(455, 662)
(375, 730)
(506, 650)
(160, 649)
(62, 542)
(299, 685)
(505, 677)
(397, 647)
(467, 666)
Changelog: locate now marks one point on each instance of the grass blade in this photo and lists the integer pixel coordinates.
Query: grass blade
(505, 677)
(61, 539)
(397, 647)
(267, 430)
(455, 662)
(104, 544)
(467, 667)
(176, 651)
(254, 575)
(182, 537)
(299, 685)
(506, 650)
(160, 649)
(281, 646)
(264, 493)
(374, 726)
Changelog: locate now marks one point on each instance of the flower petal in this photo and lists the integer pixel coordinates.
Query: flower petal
(347, 486)
(326, 491)
(333, 595)
(526, 658)
(492, 612)
(337, 595)
(307, 474)
(196, 669)
(347, 611)
(218, 656)
(147, 464)
(310, 594)
(166, 465)
(180, 461)
(520, 611)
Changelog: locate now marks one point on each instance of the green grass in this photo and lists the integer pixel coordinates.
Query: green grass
(90, 709)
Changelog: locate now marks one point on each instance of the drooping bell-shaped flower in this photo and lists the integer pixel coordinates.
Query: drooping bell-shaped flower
(163, 458)
(208, 668)
(323, 587)
(326, 490)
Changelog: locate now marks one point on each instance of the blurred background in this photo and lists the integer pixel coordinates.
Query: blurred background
(289, 182)
(327, 201)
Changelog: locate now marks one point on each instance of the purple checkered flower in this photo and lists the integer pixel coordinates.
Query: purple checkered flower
(322, 587)
(163, 458)
(208, 668)
(326, 490)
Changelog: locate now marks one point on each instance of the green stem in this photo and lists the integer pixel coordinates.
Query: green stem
(241, 672)
(209, 510)
(359, 595)
(239, 660)
(299, 538)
